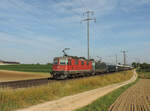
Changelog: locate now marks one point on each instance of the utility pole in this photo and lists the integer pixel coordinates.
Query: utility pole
(124, 57)
(88, 19)
(116, 59)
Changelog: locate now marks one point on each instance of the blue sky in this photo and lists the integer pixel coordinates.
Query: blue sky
(34, 31)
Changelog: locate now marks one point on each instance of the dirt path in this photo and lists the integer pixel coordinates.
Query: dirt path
(15, 75)
(136, 98)
(73, 102)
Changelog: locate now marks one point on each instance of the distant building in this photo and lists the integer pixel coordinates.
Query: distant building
(1, 62)
(8, 62)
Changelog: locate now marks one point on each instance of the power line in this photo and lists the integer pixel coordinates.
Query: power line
(116, 59)
(124, 56)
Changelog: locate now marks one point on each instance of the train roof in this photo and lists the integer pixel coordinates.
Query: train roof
(123, 66)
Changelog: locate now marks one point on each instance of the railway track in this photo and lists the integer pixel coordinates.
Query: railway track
(38, 82)
(25, 83)
(33, 82)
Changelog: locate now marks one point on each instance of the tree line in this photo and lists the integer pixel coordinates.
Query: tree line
(143, 66)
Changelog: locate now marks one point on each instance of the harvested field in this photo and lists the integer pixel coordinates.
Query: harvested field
(136, 98)
(14, 75)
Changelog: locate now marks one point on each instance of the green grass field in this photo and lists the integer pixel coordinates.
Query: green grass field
(13, 99)
(28, 68)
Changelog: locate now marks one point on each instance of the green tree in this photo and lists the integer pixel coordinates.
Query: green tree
(134, 64)
(145, 66)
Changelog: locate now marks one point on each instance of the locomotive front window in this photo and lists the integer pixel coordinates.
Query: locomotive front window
(63, 61)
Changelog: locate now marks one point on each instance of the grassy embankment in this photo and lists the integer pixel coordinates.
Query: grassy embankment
(28, 68)
(20, 98)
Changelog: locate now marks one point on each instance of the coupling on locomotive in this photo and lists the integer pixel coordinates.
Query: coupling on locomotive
(73, 66)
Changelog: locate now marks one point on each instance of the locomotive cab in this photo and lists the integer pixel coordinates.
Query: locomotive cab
(59, 67)
(60, 64)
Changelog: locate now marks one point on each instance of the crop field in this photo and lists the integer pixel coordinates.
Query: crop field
(28, 68)
(14, 75)
(136, 98)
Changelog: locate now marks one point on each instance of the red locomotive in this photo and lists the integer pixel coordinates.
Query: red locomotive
(71, 66)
